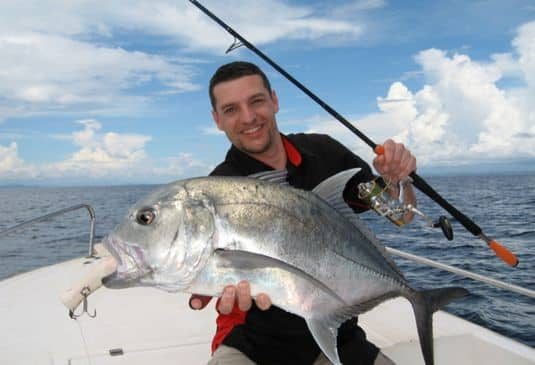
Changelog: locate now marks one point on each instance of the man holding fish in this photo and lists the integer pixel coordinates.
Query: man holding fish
(253, 331)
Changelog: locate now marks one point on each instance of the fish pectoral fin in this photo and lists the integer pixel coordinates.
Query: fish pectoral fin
(246, 260)
(325, 331)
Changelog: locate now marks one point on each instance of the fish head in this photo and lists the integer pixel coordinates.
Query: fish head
(164, 240)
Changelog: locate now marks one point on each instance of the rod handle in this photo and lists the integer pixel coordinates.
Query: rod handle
(503, 253)
(379, 149)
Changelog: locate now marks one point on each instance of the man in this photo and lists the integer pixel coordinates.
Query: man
(252, 331)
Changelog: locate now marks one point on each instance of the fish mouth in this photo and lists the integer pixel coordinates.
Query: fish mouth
(131, 260)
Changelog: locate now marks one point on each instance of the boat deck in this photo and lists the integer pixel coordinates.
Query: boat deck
(146, 325)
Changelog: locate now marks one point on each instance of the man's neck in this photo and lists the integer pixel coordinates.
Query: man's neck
(275, 156)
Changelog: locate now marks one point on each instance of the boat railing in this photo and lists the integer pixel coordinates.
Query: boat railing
(91, 252)
(419, 259)
(455, 270)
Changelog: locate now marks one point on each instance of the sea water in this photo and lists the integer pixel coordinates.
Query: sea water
(504, 207)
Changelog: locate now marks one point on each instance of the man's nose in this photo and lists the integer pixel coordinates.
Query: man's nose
(248, 114)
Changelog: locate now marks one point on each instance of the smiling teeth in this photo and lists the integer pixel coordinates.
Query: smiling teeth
(252, 130)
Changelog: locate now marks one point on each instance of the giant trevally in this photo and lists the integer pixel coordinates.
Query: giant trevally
(307, 250)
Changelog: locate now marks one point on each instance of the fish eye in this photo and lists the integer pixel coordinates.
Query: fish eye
(146, 216)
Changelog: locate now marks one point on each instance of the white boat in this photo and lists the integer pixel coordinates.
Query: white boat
(149, 326)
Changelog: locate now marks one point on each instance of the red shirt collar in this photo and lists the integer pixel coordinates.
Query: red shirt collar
(294, 156)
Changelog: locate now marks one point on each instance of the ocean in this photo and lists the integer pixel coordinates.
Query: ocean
(502, 205)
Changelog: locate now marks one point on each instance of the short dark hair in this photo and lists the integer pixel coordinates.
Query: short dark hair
(235, 70)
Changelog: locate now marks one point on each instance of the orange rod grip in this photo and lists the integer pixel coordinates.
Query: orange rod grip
(503, 253)
(379, 150)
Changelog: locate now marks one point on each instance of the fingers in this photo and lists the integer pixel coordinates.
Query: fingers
(197, 302)
(263, 302)
(228, 298)
(241, 294)
(396, 162)
(244, 296)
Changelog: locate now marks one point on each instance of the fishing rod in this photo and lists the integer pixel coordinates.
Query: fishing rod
(500, 251)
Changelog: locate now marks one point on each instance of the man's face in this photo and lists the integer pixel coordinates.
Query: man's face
(245, 111)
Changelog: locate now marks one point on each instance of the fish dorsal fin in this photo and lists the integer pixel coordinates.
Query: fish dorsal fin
(273, 176)
(332, 191)
(332, 188)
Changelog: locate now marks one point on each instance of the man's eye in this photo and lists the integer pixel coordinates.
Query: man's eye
(228, 110)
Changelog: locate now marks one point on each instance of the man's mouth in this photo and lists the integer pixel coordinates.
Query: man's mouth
(252, 130)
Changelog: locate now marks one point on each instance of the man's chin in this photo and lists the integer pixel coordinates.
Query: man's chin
(255, 146)
(256, 149)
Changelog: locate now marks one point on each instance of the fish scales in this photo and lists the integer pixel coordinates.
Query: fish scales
(310, 228)
(199, 235)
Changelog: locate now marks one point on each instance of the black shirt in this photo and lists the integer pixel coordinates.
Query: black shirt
(276, 336)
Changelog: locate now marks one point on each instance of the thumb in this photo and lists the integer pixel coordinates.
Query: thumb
(378, 163)
(197, 302)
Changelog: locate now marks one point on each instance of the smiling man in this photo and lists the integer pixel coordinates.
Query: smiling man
(245, 109)
(253, 331)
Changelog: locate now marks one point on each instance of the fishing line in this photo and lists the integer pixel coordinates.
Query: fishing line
(500, 251)
(84, 341)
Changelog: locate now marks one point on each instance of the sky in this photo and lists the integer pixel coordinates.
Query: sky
(100, 92)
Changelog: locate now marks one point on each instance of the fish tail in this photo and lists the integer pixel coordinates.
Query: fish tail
(424, 304)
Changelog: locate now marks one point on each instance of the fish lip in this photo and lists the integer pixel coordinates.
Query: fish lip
(110, 244)
(131, 260)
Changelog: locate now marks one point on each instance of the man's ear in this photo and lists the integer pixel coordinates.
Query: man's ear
(275, 100)
(216, 119)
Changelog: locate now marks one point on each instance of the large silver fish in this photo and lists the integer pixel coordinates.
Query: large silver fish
(307, 250)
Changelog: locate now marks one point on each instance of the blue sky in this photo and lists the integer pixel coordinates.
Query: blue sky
(116, 92)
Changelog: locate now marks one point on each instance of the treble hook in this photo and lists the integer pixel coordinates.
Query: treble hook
(85, 293)
(234, 45)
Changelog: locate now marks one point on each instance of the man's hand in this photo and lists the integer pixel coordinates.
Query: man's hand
(396, 163)
(240, 294)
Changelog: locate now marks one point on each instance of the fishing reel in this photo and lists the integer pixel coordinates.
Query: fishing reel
(375, 196)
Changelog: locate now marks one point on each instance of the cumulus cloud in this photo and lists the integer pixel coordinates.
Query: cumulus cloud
(108, 157)
(102, 154)
(462, 114)
(12, 167)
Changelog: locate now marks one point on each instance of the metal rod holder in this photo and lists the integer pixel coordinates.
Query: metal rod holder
(91, 252)
(455, 270)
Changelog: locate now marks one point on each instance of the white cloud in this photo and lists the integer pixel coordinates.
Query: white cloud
(462, 114)
(59, 56)
(212, 131)
(185, 165)
(102, 155)
(179, 21)
(109, 157)
(12, 167)
(524, 45)
(52, 73)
